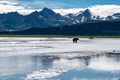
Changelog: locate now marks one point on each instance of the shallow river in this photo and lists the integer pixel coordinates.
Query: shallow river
(100, 67)
(36, 58)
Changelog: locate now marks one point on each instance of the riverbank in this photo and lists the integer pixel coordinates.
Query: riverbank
(56, 36)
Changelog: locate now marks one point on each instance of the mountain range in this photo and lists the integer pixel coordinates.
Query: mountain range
(46, 18)
(92, 28)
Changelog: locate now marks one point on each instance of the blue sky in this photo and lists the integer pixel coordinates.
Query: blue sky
(98, 7)
(35, 4)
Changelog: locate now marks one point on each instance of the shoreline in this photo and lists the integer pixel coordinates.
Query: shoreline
(56, 36)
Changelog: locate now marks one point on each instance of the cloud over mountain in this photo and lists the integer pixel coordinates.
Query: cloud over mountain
(13, 6)
(101, 10)
(27, 7)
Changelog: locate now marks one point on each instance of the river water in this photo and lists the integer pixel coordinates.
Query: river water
(26, 58)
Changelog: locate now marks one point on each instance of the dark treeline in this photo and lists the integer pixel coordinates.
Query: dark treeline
(95, 28)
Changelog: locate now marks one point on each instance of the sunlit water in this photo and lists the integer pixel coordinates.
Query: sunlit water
(86, 60)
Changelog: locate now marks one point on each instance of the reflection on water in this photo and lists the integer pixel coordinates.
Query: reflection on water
(99, 67)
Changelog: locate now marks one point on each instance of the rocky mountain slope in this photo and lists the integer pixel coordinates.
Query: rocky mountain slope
(47, 18)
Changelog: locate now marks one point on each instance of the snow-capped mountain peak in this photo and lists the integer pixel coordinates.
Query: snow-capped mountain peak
(46, 18)
(114, 16)
(86, 15)
(78, 13)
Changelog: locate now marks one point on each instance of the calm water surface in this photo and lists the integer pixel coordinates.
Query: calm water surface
(100, 67)
(20, 57)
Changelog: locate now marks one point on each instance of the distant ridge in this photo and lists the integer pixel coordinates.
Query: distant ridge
(92, 28)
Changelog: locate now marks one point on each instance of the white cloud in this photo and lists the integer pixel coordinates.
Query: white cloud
(101, 10)
(105, 10)
(13, 6)
(9, 8)
(5, 2)
(16, 5)
(67, 11)
(25, 11)
(37, 4)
